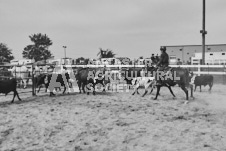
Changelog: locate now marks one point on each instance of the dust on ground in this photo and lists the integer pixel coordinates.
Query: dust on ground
(114, 122)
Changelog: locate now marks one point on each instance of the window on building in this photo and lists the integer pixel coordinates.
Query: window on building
(211, 54)
(223, 53)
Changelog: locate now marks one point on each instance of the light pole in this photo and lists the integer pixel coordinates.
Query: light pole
(203, 31)
(64, 53)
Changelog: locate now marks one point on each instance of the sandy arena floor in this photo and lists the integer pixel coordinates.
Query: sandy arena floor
(115, 122)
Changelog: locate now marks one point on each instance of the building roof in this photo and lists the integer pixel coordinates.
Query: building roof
(195, 45)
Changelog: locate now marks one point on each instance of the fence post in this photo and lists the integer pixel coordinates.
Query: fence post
(199, 69)
(33, 85)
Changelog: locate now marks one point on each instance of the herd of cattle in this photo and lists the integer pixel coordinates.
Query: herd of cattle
(88, 78)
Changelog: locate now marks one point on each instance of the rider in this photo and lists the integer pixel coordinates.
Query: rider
(164, 59)
(163, 63)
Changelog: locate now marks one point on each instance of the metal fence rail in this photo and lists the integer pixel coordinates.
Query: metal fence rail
(218, 71)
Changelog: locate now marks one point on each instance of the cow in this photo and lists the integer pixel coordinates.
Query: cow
(130, 73)
(202, 80)
(85, 78)
(7, 86)
(143, 81)
(56, 80)
(89, 78)
(39, 80)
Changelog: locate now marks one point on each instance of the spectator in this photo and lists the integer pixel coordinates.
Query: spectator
(153, 59)
(179, 62)
(157, 58)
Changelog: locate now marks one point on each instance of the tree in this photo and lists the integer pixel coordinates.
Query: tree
(106, 53)
(39, 49)
(5, 53)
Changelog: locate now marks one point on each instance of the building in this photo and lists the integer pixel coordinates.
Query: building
(62, 61)
(21, 62)
(186, 52)
(211, 58)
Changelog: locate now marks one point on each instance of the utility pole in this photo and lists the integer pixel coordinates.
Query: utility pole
(203, 31)
(64, 53)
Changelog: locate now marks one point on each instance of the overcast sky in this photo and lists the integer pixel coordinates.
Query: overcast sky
(131, 28)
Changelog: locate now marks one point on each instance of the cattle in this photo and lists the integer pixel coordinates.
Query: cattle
(202, 80)
(130, 73)
(39, 80)
(89, 78)
(143, 81)
(56, 80)
(7, 86)
(85, 78)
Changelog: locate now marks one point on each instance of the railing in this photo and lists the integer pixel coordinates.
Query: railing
(219, 71)
(197, 69)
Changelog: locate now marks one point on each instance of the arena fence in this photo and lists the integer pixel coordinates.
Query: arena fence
(218, 71)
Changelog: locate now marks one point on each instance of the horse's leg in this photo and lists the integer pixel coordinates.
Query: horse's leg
(169, 87)
(195, 88)
(185, 90)
(191, 86)
(200, 88)
(158, 90)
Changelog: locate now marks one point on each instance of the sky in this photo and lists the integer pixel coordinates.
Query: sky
(130, 28)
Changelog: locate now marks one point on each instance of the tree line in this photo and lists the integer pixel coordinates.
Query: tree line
(39, 50)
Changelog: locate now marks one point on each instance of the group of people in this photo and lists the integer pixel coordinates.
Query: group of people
(154, 59)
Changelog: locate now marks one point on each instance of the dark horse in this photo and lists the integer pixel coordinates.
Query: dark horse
(178, 76)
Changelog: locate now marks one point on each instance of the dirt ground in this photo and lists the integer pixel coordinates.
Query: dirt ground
(112, 121)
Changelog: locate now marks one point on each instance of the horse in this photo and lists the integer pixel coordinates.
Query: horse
(22, 74)
(173, 77)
